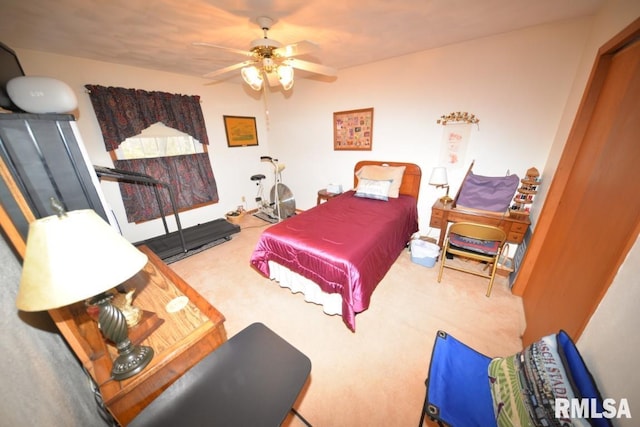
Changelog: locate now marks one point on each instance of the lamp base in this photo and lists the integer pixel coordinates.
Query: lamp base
(131, 361)
(131, 358)
(446, 199)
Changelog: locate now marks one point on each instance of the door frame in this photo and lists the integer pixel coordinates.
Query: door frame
(532, 292)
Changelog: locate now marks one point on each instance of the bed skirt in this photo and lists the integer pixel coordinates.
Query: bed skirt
(331, 303)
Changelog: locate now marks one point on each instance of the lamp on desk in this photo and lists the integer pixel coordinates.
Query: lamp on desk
(73, 256)
(439, 180)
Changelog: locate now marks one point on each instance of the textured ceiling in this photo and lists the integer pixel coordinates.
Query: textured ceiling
(158, 34)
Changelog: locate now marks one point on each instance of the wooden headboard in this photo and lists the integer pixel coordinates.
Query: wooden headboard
(410, 180)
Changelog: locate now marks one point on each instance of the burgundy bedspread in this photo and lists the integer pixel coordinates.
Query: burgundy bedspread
(345, 245)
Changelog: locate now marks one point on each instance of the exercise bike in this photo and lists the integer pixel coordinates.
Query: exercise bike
(281, 204)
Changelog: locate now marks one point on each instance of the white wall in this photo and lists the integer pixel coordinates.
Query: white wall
(610, 342)
(516, 83)
(232, 167)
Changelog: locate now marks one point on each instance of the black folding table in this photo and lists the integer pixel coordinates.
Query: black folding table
(251, 380)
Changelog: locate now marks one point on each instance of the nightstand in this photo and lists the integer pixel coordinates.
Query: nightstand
(186, 335)
(325, 195)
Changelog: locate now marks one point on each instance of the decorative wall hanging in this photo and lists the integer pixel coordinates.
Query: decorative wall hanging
(455, 139)
(459, 118)
(353, 130)
(241, 131)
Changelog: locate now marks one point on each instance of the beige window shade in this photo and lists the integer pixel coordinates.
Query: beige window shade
(158, 140)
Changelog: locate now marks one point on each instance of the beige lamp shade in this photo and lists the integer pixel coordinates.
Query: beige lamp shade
(439, 177)
(72, 257)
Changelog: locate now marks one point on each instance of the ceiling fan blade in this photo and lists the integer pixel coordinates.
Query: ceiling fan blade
(230, 49)
(312, 67)
(228, 69)
(295, 49)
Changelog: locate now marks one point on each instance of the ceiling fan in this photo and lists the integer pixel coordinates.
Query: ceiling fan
(271, 61)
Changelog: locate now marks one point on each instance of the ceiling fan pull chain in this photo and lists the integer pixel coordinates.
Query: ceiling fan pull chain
(266, 105)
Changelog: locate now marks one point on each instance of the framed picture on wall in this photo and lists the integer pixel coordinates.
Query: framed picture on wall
(353, 130)
(241, 131)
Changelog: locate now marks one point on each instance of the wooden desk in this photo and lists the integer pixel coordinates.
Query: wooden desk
(442, 215)
(183, 339)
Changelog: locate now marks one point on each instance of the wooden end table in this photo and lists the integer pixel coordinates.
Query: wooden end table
(325, 195)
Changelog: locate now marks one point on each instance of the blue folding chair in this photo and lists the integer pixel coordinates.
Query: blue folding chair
(458, 389)
(458, 392)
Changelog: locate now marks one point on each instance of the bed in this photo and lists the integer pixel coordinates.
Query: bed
(336, 253)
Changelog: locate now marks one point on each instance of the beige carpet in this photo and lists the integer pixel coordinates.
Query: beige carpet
(375, 376)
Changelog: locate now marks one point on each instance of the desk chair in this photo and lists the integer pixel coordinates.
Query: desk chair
(478, 242)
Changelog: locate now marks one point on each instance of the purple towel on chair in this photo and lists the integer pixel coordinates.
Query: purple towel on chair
(487, 192)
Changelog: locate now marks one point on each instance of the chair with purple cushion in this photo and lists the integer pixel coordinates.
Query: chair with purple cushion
(477, 242)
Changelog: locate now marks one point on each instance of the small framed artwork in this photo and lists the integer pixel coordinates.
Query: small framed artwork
(241, 131)
(353, 130)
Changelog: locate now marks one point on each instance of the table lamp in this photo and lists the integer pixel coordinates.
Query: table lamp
(439, 180)
(74, 256)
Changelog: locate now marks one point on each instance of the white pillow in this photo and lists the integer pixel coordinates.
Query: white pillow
(378, 173)
(373, 189)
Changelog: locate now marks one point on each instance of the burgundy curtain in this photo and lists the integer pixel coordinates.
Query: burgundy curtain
(123, 113)
(194, 185)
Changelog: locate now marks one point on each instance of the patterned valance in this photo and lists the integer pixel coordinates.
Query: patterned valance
(123, 113)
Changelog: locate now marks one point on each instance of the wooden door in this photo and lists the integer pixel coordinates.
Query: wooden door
(591, 216)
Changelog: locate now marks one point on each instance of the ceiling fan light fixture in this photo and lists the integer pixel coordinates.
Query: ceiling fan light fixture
(268, 65)
(269, 60)
(252, 76)
(285, 76)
